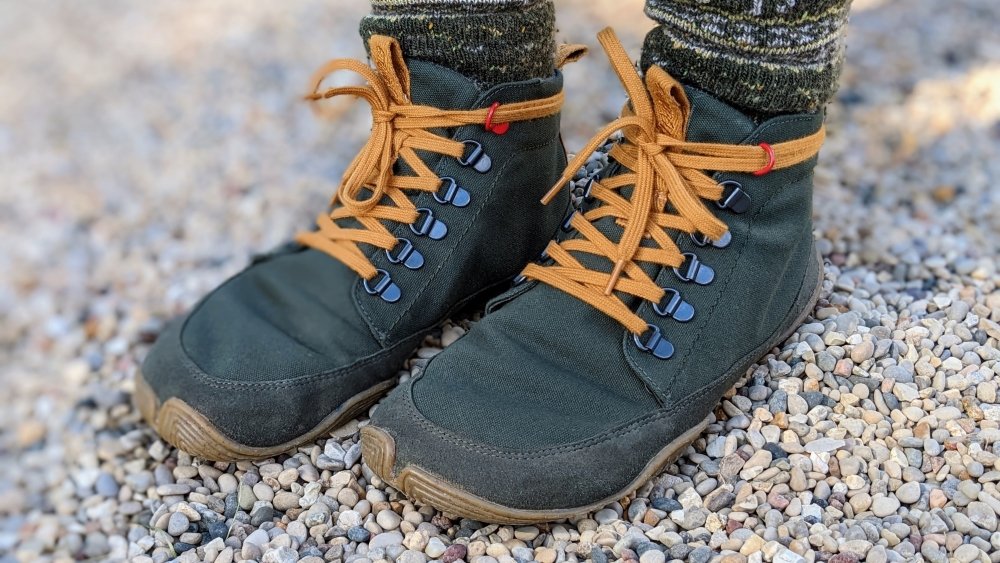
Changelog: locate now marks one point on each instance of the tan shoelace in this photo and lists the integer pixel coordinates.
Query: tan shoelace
(399, 129)
(663, 169)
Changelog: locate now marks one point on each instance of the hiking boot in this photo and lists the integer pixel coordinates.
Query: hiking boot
(694, 257)
(440, 210)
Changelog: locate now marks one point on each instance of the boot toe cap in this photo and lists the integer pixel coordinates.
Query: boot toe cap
(441, 467)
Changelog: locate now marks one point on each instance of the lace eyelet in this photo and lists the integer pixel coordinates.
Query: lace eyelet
(451, 193)
(674, 306)
(406, 255)
(383, 287)
(734, 198)
(702, 240)
(567, 225)
(653, 342)
(476, 157)
(427, 226)
(694, 270)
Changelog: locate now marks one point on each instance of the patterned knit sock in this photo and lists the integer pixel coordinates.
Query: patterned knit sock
(490, 41)
(765, 56)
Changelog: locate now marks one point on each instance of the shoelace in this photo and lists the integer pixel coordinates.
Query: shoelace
(662, 168)
(399, 129)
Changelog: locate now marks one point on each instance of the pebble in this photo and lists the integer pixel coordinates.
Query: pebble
(177, 524)
(385, 540)
(280, 555)
(870, 434)
(388, 519)
(455, 552)
(824, 445)
(106, 486)
(605, 516)
(982, 515)
(908, 493)
(435, 548)
(358, 534)
(883, 506)
(285, 501)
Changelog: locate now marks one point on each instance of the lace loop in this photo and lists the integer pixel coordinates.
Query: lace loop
(370, 192)
(666, 173)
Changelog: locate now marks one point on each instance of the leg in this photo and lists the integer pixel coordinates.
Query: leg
(765, 56)
(492, 41)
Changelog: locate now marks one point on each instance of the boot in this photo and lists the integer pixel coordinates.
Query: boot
(440, 210)
(694, 257)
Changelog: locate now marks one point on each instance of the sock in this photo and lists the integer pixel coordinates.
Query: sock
(763, 56)
(490, 41)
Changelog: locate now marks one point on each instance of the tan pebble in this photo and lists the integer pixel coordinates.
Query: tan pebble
(545, 555)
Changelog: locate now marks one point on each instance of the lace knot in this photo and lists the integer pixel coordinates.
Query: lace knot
(380, 116)
(370, 193)
(652, 148)
(669, 185)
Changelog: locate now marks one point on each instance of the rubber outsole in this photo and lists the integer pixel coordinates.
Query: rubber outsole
(378, 448)
(379, 451)
(189, 430)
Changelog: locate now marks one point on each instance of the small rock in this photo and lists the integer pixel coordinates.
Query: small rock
(908, 493)
(982, 515)
(358, 534)
(454, 553)
(883, 506)
(177, 524)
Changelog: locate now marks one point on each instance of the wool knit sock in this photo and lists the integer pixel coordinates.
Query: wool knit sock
(490, 41)
(764, 56)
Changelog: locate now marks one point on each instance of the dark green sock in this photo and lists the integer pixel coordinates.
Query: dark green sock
(764, 56)
(490, 41)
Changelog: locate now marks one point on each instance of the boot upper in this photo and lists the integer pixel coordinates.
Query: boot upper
(277, 347)
(549, 387)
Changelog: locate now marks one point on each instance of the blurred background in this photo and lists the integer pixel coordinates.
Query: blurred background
(147, 148)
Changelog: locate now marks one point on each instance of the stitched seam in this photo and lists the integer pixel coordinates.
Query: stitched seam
(664, 396)
(757, 134)
(660, 395)
(616, 433)
(491, 196)
(757, 352)
(444, 262)
(604, 437)
(413, 414)
(372, 324)
(359, 296)
(196, 372)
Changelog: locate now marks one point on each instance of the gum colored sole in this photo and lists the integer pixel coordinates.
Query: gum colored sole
(188, 430)
(379, 451)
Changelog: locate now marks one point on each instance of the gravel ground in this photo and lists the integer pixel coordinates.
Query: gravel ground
(147, 148)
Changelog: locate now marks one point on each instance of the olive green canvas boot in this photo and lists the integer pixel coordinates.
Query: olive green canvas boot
(440, 210)
(693, 258)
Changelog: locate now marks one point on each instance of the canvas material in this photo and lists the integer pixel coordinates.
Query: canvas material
(549, 381)
(280, 345)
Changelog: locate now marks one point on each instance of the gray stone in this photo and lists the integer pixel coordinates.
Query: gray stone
(982, 515)
(280, 555)
(908, 493)
(385, 540)
(177, 524)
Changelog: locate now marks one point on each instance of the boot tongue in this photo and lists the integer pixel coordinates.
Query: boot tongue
(710, 121)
